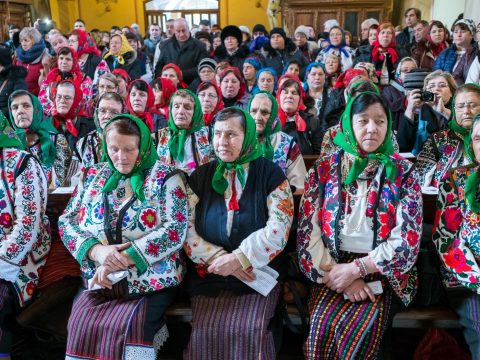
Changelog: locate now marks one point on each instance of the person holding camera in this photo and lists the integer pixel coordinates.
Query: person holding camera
(447, 149)
(428, 110)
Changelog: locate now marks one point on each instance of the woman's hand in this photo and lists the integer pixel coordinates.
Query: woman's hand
(439, 106)
(225, 265)
(413, 103)
(359, 291)
(243, 275)
(110, 256)
(101, 279)
(341, 276)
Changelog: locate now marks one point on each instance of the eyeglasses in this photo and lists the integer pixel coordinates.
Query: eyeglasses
(210, 96)
(64, 97)
(103, 111)
(438, 86)
(463, 106)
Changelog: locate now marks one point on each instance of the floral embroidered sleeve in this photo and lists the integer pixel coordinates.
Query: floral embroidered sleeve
(168, 238)
(312, 251)
(261, 246)
(29, 202)
(77, 240)
(44, 97)
(197, 249)
(399, 253)
(450, 238)
(426, 163)
(62, 161)
(87, 90)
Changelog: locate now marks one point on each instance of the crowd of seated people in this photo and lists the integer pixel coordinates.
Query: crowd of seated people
(181, 153)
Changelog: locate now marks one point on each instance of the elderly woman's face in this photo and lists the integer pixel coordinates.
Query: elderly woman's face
(266, 82)
(385, 37)
(437, 34)
(171, 74)
(123, 150)
(439, 86)
(370, 127)
(138, 99)
(260, 109)
(107, 109)
(182, 112)
(467, 105)
(476, 141)
(64, 99)
(206, 74)
(105, 85)
(115, 45)
(289, 99)
(332, 64)
(73, 42)
(22, 111)
(230, 86)
(228, 138)
(316, 78)
(26, 42)
(208, 99)
(335, 37)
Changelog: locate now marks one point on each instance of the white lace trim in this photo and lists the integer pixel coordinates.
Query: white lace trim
(137, 352)
(160, 337)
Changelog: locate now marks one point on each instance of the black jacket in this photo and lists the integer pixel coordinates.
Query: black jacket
(132, 65)
(90, 65)
(278, 59)
(236, 59)
(186, 56)
(15, 80)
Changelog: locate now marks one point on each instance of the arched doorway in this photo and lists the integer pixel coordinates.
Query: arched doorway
(159, 11)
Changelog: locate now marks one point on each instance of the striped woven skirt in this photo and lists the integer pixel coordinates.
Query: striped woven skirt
(6, 311)
(340, 329)
(233, 327)
(107, 327)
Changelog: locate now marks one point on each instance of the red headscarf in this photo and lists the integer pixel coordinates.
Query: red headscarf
(173, 66)
(208, 117)
(378, 50)
(123, 74)
(75, 110)
(86, 45)
(54, 75)
(344, 78)
(282, 115)
(168, 88)
(238, 75)
(146, 115)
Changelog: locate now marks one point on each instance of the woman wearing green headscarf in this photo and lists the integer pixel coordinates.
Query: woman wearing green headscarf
(447, 149)
(457, 239)
(276, 145)
(184, 143)
(39, 137)
(359, 234)
(24, 229)
(126, 222)
(242, 209)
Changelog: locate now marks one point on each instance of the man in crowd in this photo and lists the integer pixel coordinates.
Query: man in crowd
(407, 36)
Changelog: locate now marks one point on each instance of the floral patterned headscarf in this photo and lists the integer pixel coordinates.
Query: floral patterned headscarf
(147, 156)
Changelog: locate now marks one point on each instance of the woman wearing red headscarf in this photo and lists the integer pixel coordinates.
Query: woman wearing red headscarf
(302, 126)
(89, 60)
(384, 53)
(210, 97)
(426, 51)
(174, 73)
(67, 69)
(233, 88)
(140, 102)
(163, 90)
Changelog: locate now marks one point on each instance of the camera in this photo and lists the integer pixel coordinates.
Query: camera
(427, 96)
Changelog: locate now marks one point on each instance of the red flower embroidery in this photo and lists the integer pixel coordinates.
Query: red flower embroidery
(173, 235)
(30, 288)
(450, 198)
(6, 220)
(81, 214)
(153, 249)
(455, 259)
(179, 193)
(179, 216)
(149, 218)
(307, 208)
(412, 238)
(453, 218)
(71, 245)
(473, 279)
(387, 222)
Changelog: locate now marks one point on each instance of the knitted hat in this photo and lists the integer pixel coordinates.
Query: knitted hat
(279, 31)
(244, 29)
(5, 56)
(415, 79)
(260, 28)
(469, 23)
(302, 29)
(207, 62)
(231, 30)
(203, 35)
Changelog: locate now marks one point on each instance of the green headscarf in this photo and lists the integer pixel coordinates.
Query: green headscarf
(346, 140)
(272, 126)
(8, 136)
(473, 179)
(176, 144)
(146, 158)
(251, 150)
(40, 126)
